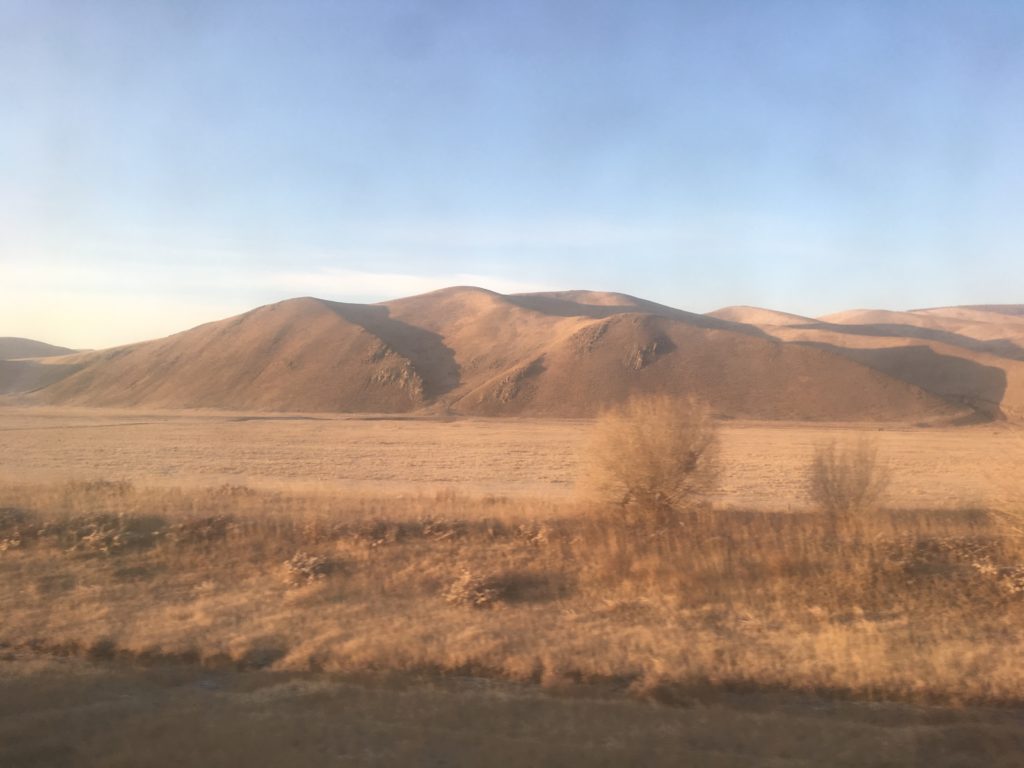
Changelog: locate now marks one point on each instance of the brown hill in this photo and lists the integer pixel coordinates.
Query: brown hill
(303, 354)
(472, 351)
(757, 316)
(604, 361)
(25, 376)
(963, 322)
(14, 348)
(27, 365)
(1015, 310)
(971, 355)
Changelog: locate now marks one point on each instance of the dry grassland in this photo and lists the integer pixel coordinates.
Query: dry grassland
(762, 463)
(288, 574)
(920, 606)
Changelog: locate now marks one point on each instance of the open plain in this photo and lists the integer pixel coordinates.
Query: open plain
(763, 464)
(382, 590)
(467, 523)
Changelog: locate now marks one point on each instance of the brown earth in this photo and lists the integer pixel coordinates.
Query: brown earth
(475, 352)
(13, 348)
(969, 355)
(763, 464)
(154, 613)
(25, 365)
(69, 711)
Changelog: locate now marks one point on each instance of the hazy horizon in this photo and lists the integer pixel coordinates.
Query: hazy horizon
(174, 164)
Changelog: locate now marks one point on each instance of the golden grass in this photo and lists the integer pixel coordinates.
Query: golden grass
(916, 605)
(762, 465)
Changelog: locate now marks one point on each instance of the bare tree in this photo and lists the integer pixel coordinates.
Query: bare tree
(652, 456)
(844, 481)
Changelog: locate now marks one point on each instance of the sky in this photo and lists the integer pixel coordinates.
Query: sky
(163, 164)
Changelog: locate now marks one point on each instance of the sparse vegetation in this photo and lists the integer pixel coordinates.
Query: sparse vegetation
(702, 599)
(304, 568)
(845, 481)
(474, 590)
(652, 456)
(917, 605)
(648, 468)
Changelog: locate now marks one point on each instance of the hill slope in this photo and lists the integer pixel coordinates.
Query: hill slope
(303, 354)
(970, 355)
(758, 317)
(14, 348)
(472, 351)
(27, 365)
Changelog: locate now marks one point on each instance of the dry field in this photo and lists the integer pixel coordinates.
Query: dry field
(166, 716)
(276, 574)
(763, 463)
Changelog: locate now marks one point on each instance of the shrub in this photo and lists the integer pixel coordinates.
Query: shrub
(104, 533)
(305, 568)
(652, 456)
(16, 528)
(201, 531)
(475, 590)
(847, 480)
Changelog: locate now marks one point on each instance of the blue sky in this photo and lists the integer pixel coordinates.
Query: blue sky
(167, 163)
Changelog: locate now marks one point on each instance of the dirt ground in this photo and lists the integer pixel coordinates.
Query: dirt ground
(58, 711)
(763, 463)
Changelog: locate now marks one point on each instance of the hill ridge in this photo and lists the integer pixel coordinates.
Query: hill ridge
(19, 348)
(473, 351)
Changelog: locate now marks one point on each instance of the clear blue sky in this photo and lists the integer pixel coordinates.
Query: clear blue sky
(167, 163)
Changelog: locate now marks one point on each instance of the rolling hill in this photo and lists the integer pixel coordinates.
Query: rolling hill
(27, 365)
(472, 351)
(969, 355)
(13, 348)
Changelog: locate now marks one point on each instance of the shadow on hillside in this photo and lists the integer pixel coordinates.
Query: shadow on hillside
(550, 305)
(981, 387)
(431, 357)
(1014, 310)
(20, 376)
(999, 347)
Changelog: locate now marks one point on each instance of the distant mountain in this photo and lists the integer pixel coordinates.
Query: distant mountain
(471, 351)
(973, 355)
(13, 348)
(1002, 309)
(758, 316)
(27, 365)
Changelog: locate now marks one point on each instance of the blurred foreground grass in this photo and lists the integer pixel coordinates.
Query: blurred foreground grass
(913, 606)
